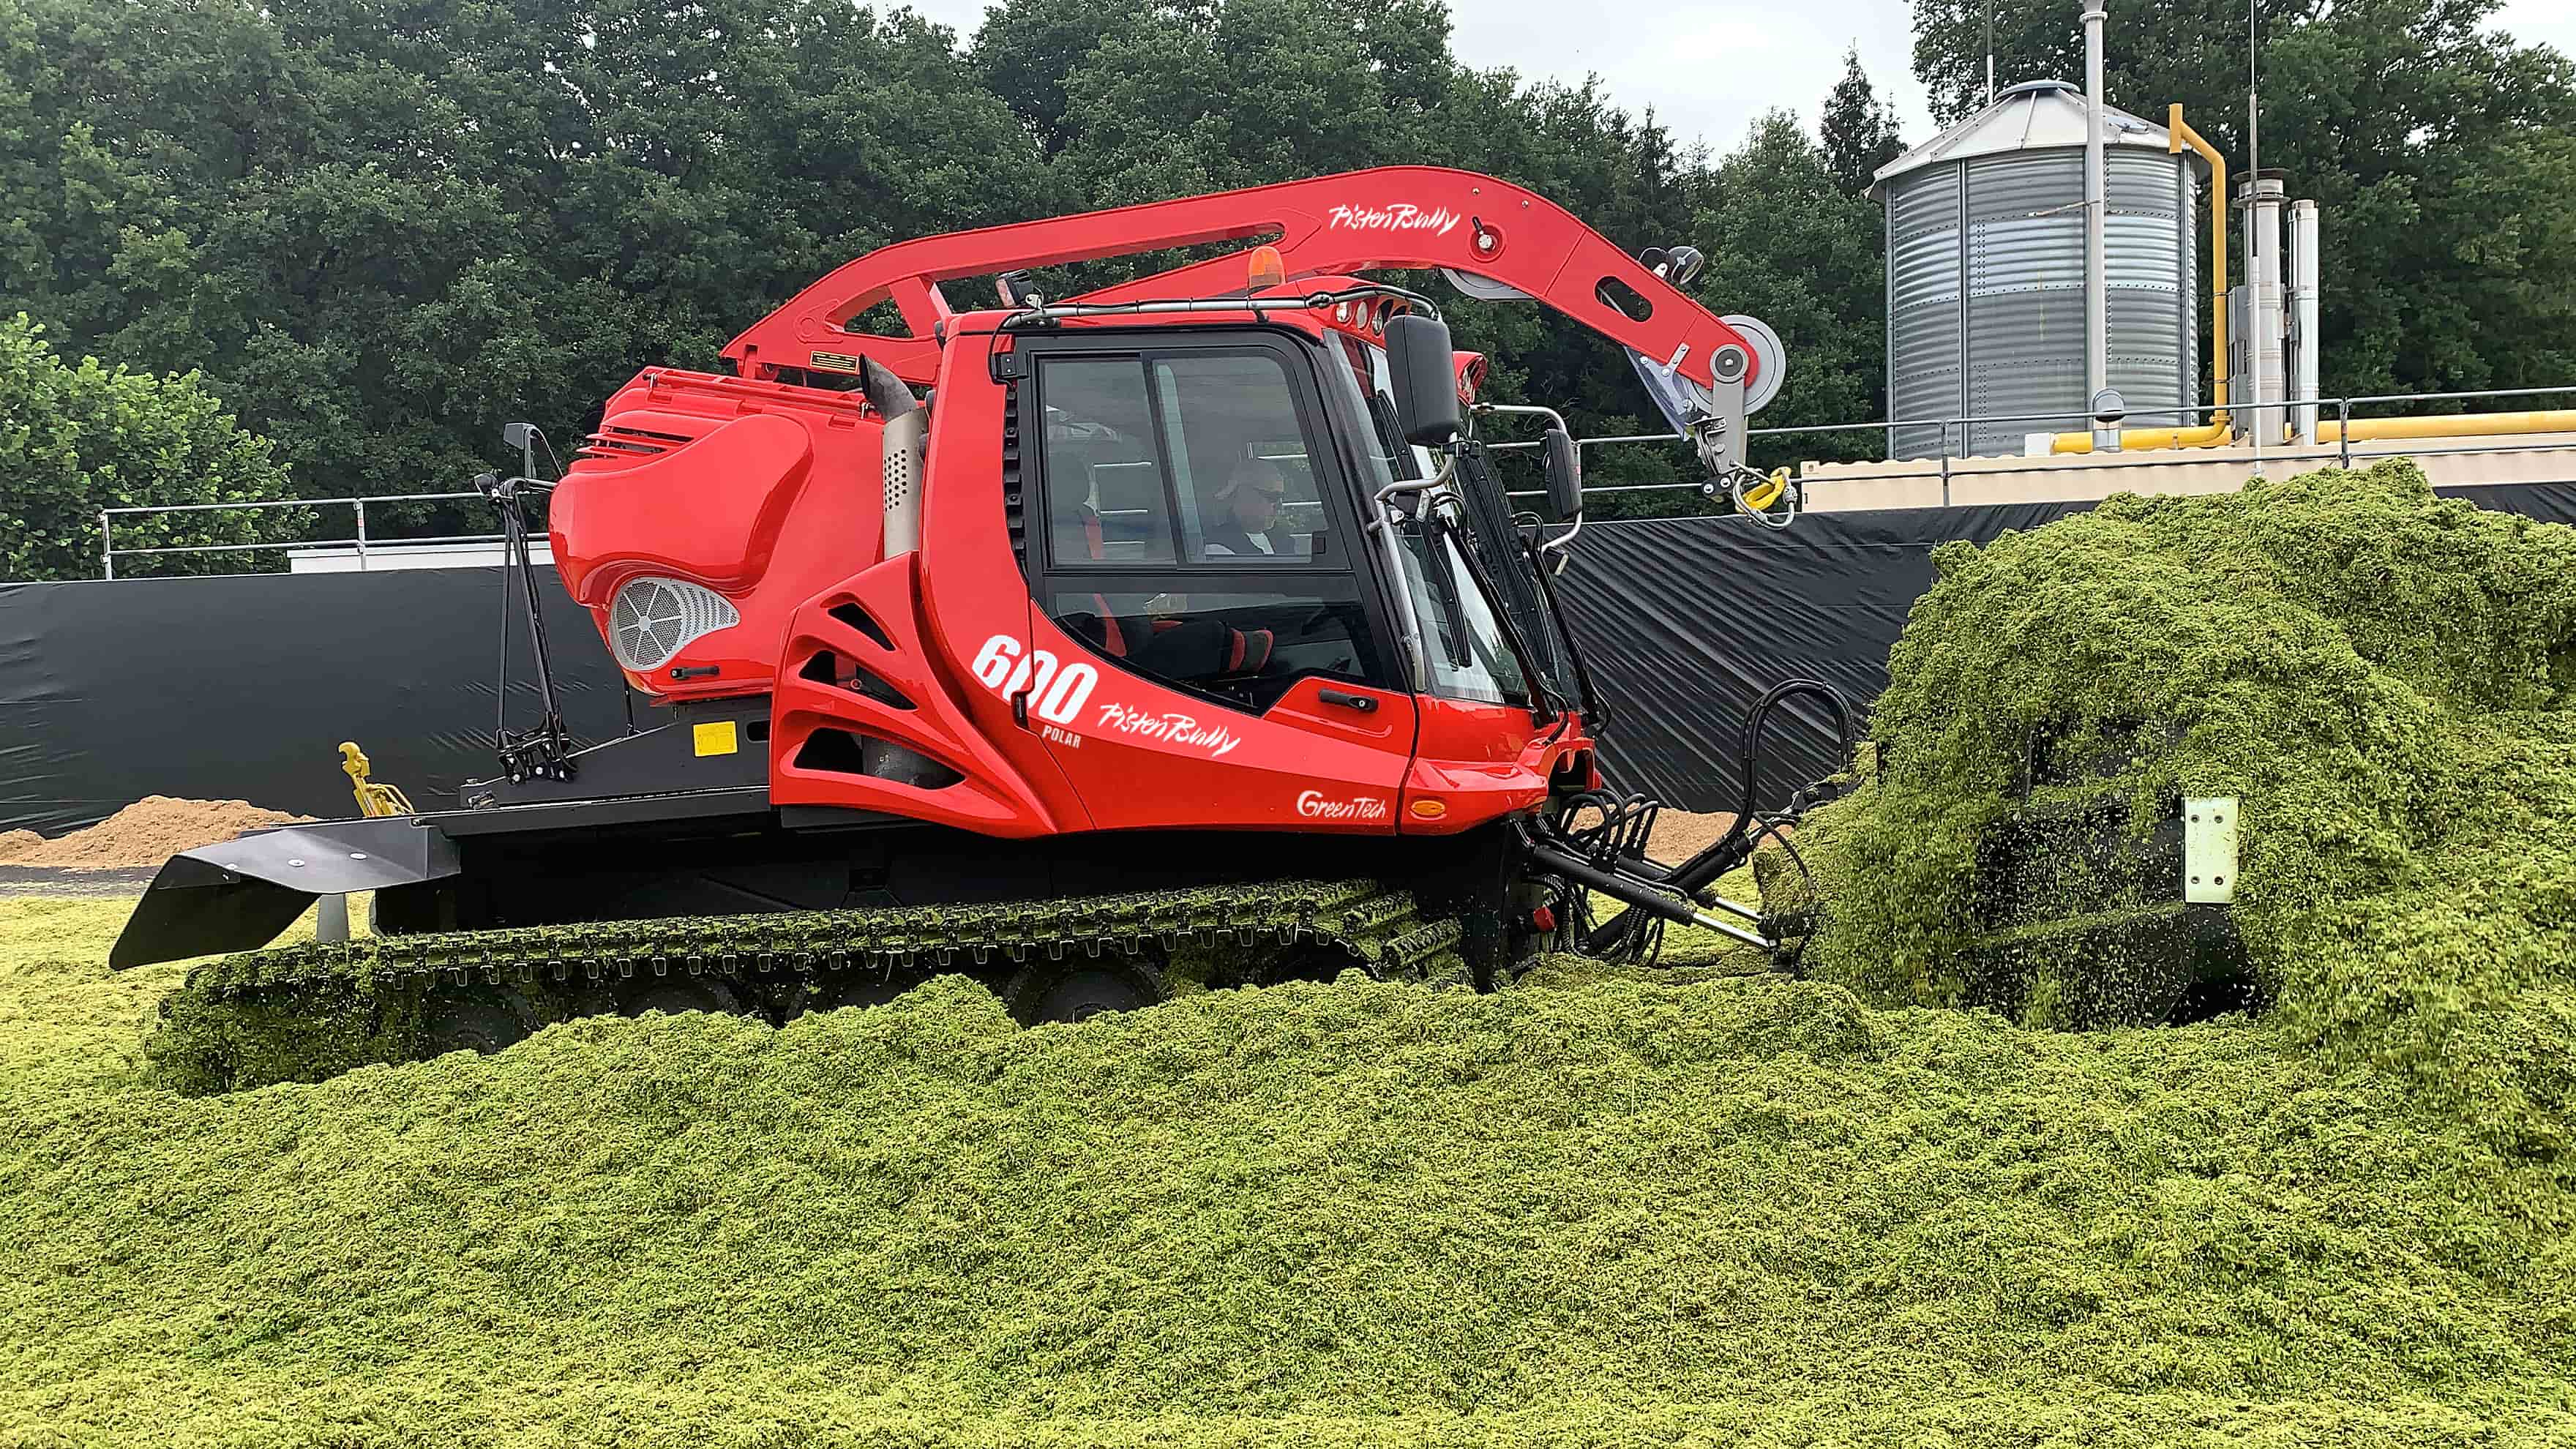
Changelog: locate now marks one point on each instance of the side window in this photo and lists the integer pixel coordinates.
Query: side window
(1105, 500)
(1238, 457)
(1240, 646)
(1189, 537)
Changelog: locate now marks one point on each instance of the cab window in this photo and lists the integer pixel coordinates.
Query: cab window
(1190, 538)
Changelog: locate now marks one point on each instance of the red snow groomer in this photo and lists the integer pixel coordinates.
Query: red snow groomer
(1010, 628)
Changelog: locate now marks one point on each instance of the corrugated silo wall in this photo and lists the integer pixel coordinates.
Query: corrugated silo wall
(1926, 329)
(2010, 341)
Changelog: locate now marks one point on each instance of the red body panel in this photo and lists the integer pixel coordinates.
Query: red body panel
(1479, 762)
(940, 606)
(1140, 753)
(764, 493)
(994, 797)
(663, 515)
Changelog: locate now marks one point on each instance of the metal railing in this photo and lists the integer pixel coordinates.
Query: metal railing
(2345, 453)
(109, 553)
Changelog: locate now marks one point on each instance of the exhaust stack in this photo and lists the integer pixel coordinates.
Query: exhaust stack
(907, 441)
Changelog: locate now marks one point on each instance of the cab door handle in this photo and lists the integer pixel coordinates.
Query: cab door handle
(1364, 703)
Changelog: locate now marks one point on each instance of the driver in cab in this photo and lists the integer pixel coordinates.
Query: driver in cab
(1249, 522)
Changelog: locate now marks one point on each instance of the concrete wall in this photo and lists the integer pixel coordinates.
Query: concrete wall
(2090, 478)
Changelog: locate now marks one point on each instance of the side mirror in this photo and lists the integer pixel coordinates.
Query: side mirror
(1564, 476)
(1425, 376)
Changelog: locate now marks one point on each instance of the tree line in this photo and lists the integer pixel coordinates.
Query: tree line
(376, 229)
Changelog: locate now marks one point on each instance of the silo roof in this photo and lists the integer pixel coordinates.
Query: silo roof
(2033, 116)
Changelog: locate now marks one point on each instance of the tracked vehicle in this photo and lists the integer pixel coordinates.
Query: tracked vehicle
(1049, 640)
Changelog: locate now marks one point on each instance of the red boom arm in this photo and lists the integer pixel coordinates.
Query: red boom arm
(1391, 217)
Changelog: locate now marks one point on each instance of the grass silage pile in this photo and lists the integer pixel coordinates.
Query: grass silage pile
(1591, 1209)
(2387, 683)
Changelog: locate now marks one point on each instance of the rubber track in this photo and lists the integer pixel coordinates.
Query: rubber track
(1381, 929)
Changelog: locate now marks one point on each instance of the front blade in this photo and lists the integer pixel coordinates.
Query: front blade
(237, 895)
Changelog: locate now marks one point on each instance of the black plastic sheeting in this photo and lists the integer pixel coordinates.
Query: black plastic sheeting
(243, 687)
(1687, 621)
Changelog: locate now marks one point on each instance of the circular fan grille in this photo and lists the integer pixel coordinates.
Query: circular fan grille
(651, 619)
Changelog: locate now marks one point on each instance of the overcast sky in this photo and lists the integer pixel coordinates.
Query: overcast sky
(1708, 69)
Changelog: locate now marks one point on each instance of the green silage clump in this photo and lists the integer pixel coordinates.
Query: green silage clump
(2382, 677)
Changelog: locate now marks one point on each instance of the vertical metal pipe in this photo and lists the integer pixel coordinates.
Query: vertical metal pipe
(2097, 290)
(106, 548)
(2254, 385)
(2304, 273)
(2266, 379)
(2219, 360)
(361, 506)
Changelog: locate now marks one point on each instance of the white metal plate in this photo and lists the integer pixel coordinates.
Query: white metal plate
(2209, 849)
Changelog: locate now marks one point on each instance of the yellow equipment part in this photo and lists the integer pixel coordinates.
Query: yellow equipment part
(373, 799)
(1769, 493)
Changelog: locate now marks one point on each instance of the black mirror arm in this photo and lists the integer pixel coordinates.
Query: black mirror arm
(1556, 423)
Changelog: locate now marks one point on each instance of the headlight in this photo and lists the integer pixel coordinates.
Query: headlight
(650, 620)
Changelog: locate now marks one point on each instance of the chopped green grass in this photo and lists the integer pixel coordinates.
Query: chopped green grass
(2387, 682)
(1592, 1210)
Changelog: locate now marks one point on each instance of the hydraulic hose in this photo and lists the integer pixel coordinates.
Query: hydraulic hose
(1729, 850)
(1696, 872)
(1637, 894)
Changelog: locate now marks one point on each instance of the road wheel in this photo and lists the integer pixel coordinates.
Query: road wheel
(675, 994)
(475, 1017)
(843, 989)
(1081, 987)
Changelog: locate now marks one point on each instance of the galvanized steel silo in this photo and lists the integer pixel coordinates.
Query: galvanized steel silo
(1985, 275)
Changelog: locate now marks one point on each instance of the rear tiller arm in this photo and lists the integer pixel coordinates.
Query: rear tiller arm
(1410, 217)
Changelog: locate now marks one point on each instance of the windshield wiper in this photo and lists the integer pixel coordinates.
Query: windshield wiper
(1542, 697)
(1453, 608)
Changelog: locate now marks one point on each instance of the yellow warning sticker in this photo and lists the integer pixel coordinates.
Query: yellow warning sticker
(835, 362)
(715, 738)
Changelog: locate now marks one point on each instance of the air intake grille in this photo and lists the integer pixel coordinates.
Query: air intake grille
(650, 619)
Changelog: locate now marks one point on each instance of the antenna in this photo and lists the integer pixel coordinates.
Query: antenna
(1990, 52)
(2253, 275)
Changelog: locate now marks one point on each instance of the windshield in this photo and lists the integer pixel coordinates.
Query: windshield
(1369, 375)
(1468, 655)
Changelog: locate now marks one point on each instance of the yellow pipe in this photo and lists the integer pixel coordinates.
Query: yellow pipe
(2177, 136)
(2453, 425)
(2218, 429)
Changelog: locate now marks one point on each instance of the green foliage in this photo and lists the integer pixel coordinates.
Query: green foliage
(2385, 679)
(1857, 128)
(2438, 151)
(1602, 1211)
(381, 236)
(78, 439)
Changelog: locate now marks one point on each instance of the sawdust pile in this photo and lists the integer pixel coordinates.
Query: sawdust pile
(1679, 834)
(145, 833)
